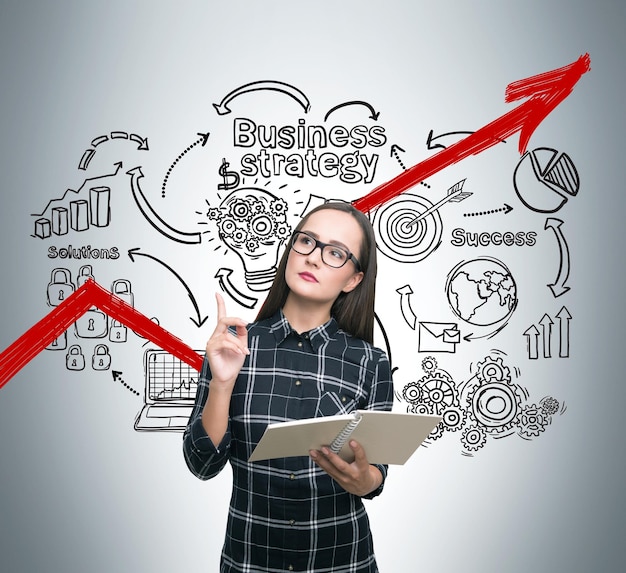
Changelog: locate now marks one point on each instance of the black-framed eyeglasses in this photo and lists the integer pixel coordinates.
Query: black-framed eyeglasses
(332, 255)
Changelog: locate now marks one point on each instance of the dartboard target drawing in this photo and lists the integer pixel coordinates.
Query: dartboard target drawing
(403, 235)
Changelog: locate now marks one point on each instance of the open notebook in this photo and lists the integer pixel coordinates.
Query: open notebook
(387, 437)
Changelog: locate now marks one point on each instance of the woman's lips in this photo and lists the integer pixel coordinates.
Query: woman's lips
(308, 277)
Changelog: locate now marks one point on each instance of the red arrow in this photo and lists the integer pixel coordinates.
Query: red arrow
(57, 321)
(545, 91)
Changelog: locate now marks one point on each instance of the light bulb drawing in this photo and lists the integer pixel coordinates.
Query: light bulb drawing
(252, 223)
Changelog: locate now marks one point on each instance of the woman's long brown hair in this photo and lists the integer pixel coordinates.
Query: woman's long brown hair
(354, 311)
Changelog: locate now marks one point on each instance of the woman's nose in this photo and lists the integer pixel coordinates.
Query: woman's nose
(315, 256)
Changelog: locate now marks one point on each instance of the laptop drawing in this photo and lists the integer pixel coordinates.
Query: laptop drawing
(170, 392)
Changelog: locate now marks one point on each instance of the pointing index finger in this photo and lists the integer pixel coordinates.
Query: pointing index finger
(221, 306)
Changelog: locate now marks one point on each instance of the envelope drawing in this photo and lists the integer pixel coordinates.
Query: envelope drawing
(438, 336)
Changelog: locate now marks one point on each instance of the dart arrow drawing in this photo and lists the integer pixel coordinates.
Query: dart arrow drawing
(455, 194)
(544, 92)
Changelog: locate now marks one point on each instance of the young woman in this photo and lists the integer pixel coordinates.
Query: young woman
(309, 353)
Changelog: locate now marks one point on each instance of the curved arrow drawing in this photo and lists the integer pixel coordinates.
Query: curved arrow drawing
(558, 287)
(223, 275)
(405, 293)
(545, 92)
(373, 113)
(222, 107)
(57, 321)
(198, 320)
(153, 218)
(89, 153)
(203, 139)
(430, 138)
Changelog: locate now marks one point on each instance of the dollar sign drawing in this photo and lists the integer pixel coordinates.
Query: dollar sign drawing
(231, 178)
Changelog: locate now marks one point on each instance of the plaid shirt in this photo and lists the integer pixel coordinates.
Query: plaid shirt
(287, 514)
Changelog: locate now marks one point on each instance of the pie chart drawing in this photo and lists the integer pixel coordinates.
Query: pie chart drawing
(545, 179)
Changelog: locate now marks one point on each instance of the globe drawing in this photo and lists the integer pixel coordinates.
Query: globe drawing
(482, 291)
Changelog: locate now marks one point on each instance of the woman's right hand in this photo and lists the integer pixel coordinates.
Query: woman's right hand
(225, 352)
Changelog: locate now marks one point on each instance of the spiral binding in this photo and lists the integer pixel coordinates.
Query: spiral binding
(343, 436)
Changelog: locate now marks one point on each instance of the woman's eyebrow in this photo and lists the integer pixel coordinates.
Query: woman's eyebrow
(331, 242)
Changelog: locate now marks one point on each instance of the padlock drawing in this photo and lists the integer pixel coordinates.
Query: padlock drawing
(74, 359)
(85, 272)
(117, 331)
(59, 343)
(93, 324)
(101, 359)
(60, 286)
(121, 288)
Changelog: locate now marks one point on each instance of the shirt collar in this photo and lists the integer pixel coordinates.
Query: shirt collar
(281, 329)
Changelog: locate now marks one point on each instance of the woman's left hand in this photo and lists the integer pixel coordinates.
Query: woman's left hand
(358, 477)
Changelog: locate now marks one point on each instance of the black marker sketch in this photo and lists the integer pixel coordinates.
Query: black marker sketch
(60, 286)
(85, 272)
(545, 179)
(90, 152)
(101, 359)
(78, 210)
(558, 286)
(152, 216)
(438, 336)
(92, 324)
(170, 391)
(74, 359)
(383, 332)
(398, 238)
(118, 332)
(118, 377)
(488, 404)
(394, 153)
(204, 137)
(223, 276)
(198, 319)
(122, 289)
(430, 138)
(230, 179)
(252, 223)
(506, 209)
(482, 292)
(455, 194)
(59, 343)
(435, 393)
(405, 293)
(282, 87)
(534, 335)
(373, 113)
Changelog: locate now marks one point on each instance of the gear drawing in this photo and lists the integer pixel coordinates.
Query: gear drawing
(473, 438)
(532, 421)
(493, 370)
(495, 405)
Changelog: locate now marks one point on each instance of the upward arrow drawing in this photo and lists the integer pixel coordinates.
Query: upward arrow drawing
(51, 326)
(545, 91)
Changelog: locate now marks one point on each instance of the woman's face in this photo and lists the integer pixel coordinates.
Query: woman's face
(307, 276)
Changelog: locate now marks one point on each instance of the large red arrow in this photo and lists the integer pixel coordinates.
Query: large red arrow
(545, 91)
(57, 321)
